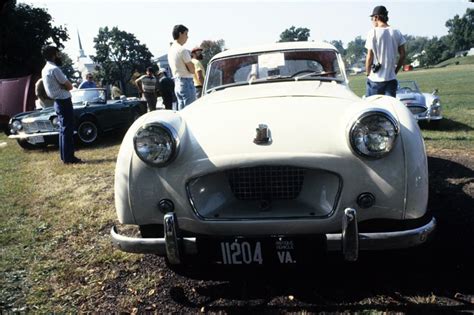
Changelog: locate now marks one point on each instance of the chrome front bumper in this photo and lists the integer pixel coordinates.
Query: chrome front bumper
(31, 135)
(350, 241)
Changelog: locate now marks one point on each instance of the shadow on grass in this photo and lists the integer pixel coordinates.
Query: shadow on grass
(436, 277)
(444, 124)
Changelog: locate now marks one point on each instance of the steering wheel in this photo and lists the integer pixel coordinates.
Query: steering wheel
(322, 73)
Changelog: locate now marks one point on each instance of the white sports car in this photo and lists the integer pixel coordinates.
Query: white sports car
(424, 106)
(277, 163)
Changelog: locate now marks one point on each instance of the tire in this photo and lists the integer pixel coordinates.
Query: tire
(87, 132)
(26, 145)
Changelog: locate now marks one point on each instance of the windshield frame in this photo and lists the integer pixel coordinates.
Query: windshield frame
(342, 79)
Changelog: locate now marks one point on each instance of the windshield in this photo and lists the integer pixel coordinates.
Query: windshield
(407, 87)
(307, 64)
(88, 95)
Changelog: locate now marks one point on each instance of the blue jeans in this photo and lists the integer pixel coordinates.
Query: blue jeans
(185, 91)
(381, 88)
(65, 113)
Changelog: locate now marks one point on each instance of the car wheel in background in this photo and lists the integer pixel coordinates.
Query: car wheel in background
(26, 145)
(87, 131)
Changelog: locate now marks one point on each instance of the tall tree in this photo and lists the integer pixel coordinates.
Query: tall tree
(211, 48)
(434, 51)
(24, 30)
(293, 34)
(461, 31)
(119, 54)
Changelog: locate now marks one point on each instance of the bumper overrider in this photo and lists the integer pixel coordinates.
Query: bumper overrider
(350, 241)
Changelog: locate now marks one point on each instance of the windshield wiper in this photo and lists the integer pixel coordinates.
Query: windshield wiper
(310, 73)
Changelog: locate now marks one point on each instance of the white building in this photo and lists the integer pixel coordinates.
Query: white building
(84, 63)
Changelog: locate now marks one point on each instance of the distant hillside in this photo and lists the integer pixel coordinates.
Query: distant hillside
(468, 60)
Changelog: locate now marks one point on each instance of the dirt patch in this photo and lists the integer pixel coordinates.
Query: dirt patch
(437, 277)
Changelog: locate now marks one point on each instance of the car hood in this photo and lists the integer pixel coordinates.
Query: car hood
(304, 122)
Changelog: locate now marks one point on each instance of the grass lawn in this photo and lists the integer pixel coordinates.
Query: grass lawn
(456, 90)
(56, 252)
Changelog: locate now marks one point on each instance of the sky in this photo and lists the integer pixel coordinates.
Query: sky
(241, 23)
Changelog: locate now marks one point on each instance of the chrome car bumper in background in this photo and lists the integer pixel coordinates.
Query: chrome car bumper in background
(31, 135)
(350, 241)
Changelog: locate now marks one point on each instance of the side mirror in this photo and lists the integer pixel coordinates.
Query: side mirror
(435, 92)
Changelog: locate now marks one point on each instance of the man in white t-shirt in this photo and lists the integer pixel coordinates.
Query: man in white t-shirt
(182, 67)
(383, 45)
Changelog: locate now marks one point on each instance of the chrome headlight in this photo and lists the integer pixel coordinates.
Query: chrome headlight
(55, 122)
(156, 144)
(373, 134)
(16, 125)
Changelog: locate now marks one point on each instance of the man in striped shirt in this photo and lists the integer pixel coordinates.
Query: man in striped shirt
(147, 85)
(57, 87)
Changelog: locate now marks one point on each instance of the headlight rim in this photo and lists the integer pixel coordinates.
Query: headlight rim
(381, 112)
(16, 121)
(174, 140)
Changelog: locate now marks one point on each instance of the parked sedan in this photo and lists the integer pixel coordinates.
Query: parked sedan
(424, 106)
(93, 115)
(277, 163)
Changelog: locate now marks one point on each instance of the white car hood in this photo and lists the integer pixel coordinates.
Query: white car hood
(225, 123)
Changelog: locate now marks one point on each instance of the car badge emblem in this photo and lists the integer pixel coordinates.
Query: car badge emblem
(263, 135)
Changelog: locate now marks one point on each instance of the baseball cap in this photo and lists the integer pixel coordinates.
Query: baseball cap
(380, 10)
(196, 49)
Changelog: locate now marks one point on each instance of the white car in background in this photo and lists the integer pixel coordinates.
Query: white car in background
(424, 106)
(277, 163)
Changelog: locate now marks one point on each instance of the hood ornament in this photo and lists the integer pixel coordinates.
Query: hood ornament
(263, 135)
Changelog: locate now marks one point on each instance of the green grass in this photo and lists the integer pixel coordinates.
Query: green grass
(55, 221)
(456, 90)
(468, 60)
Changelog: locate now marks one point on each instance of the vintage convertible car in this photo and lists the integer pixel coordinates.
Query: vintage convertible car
(424, 106)
(93, 114)
(278, 163)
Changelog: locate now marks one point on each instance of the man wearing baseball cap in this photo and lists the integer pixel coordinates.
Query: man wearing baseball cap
(199, 72)
(384, 44)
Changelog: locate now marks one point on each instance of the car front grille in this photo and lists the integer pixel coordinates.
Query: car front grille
(38, 126)
(417, 109)
(266, 182)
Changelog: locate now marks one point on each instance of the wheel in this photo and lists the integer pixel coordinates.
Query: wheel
(26, 145)
(87, 131)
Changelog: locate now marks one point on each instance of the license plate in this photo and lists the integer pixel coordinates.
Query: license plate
(36, 139)
(262, 251)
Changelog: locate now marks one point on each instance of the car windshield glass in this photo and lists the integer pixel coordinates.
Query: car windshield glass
(307, 64)
(88, 95)
(407, 87)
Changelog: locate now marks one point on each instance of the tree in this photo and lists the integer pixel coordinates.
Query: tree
(355, 51)
(24, 30)
(119, 54)
(461, 31)
(211, 48)
(435, 51)
(339, 46)
(292, 34)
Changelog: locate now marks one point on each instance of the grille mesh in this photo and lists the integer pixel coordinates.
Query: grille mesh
(38, 126)
(266, 182)
(416, 109)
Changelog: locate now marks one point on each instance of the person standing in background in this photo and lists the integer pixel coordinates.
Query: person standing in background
(182, 67)
(166, 87)
(381, 66)
(57, 86)
(88, 83)
(147, 86)
(199, 71)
